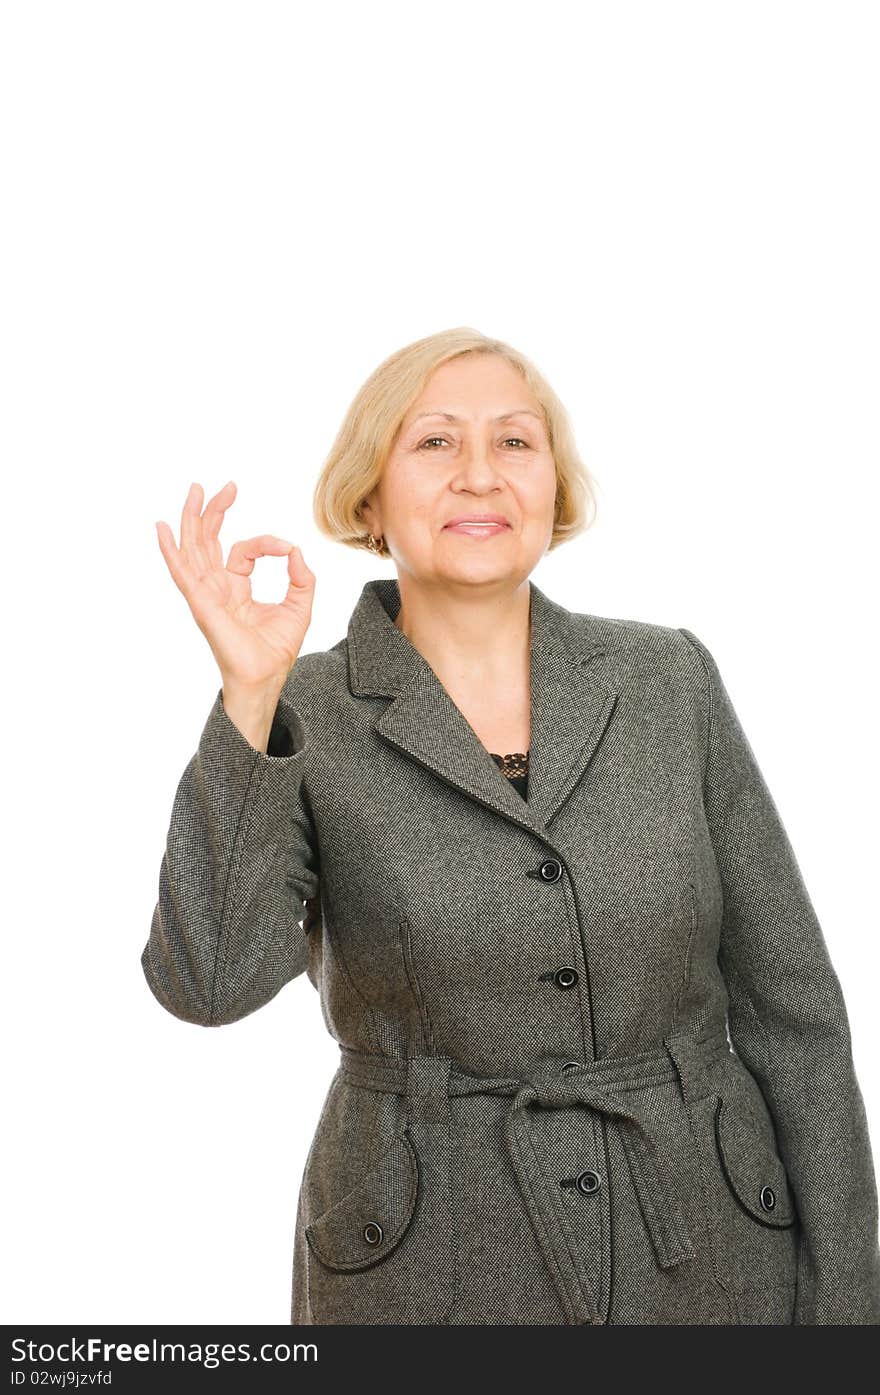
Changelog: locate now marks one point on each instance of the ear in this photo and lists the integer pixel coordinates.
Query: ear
(369, 516)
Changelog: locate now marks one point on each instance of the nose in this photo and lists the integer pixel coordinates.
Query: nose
(476, 469)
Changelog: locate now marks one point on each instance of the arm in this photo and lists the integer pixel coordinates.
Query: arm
(240, 863)
(788, 1023)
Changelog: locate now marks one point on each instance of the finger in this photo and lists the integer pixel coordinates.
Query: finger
(201, 553)
(190, 524)
(173, 556)
(244, 554)
(212, 518)
(301, 579)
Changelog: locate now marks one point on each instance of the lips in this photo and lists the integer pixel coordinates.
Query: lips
(478, 525)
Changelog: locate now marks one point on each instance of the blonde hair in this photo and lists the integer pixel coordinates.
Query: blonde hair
(368, 433)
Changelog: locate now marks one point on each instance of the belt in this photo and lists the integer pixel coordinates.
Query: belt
(608, 1085)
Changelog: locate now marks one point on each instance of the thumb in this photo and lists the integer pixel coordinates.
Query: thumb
(300, 576)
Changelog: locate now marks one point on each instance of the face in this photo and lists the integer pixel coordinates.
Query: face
(473, 446)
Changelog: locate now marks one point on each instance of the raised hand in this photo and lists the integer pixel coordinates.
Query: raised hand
(255, 644)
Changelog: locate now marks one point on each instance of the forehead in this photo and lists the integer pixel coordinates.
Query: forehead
(481, 388)
(496, 417)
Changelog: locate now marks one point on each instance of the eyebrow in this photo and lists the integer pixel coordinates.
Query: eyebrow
(506, 416)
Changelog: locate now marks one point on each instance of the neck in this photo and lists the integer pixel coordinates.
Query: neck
(467, 631)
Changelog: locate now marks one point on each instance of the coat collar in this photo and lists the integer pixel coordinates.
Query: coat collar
(572, 697)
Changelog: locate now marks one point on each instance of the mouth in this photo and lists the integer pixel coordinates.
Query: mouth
(478, 527)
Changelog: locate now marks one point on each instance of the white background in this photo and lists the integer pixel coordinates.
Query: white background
(218, 218)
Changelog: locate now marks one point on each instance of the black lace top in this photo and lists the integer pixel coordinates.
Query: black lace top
(516, 767)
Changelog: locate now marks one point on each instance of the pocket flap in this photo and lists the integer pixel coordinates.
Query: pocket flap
(369, 1221)
(754, 1171)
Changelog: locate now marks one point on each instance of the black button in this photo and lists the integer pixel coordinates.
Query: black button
(570, 1065)
(768, 1198)
(551, 870)
(373, 1233)
(588, 1182)
(566, 977)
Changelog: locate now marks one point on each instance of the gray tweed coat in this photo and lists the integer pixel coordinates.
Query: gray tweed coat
(595, 1063)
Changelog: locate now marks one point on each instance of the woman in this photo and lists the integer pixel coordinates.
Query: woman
(595, 1063)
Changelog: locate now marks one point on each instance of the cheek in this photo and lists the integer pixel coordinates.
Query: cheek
(403, 491)
(409, 505)
(411, 510)
(537, 494)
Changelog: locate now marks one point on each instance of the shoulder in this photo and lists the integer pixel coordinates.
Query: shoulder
(660, 661)
(649, 642)
(317, 676)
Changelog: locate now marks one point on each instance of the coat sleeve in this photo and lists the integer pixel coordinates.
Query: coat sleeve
(788, 1023)
(239, 867)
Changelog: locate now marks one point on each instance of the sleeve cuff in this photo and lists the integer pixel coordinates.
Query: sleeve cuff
(287, 737)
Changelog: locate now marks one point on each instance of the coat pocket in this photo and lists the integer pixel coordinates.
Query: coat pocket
(753, 1170)
(752, 1207)
(385, 1252)
(364, 1226)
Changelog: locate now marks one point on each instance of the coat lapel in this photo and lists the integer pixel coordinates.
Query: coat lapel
(572, 698)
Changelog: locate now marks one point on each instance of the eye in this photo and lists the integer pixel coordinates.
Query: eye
(442, 440)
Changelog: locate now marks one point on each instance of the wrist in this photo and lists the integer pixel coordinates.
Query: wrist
(252, 710)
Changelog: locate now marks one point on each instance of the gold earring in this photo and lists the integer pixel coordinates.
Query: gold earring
(374, 544)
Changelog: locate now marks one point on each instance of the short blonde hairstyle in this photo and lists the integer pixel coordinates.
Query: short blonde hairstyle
(371, 425)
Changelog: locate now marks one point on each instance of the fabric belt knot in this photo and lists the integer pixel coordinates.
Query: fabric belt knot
(608, 1085)
(663, 1219)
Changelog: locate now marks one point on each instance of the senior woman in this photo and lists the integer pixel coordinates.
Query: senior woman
(595, 1062)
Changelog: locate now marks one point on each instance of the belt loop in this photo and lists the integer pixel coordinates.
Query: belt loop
(675, 1047)
(427, 1088)
(693, 1062)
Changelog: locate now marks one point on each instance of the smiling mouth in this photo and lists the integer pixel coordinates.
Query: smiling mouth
(477, 529)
